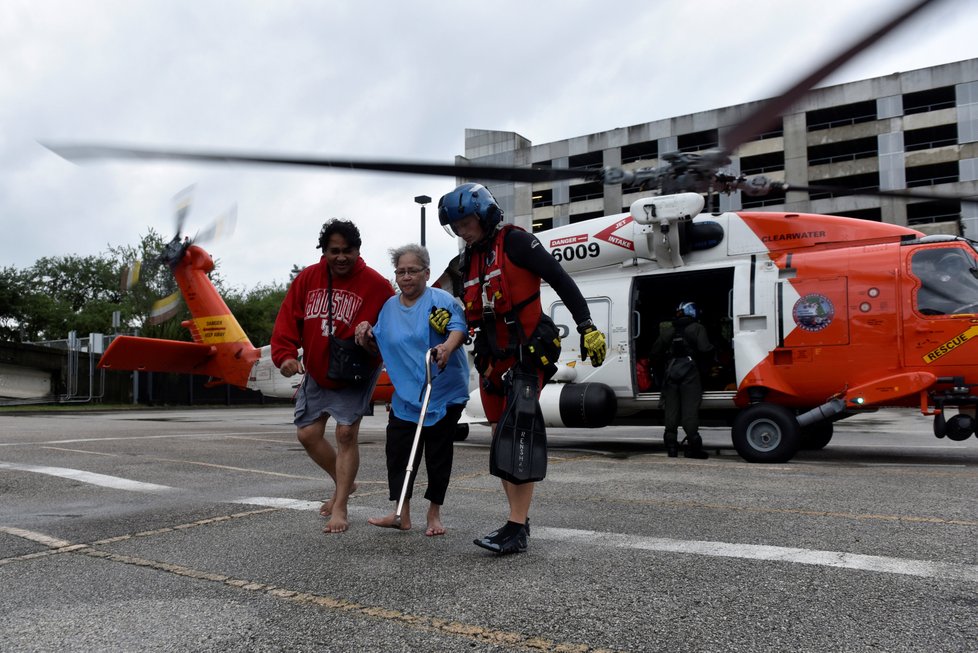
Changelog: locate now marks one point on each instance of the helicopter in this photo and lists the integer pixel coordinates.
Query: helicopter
(220, 349)
(817, 318)
(814, 318)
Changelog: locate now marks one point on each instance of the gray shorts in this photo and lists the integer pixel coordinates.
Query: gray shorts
(345, 405)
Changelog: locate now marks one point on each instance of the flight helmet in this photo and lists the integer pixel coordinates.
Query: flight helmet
(688, 309)
(466, 200)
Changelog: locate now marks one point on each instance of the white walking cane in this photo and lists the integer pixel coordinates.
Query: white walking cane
(417, 438)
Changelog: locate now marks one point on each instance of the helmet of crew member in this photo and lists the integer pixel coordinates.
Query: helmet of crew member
(466, 200)
(688, 309)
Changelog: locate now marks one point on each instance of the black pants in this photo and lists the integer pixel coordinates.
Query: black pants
(436, 443)
(681, 400)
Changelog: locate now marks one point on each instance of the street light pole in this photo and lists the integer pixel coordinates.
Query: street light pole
(422, 200)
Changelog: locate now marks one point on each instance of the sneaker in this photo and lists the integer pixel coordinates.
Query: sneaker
(511, 538)
(698, 454)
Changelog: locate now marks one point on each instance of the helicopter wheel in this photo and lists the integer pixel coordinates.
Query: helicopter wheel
(461, 432)
(960, 427)
(816, 436)
(766, 433)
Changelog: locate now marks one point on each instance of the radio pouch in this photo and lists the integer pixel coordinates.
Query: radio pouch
(518, 452)
(543, 348)
(348, 362)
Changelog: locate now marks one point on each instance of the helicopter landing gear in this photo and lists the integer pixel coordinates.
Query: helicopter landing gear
(766, 433)
(940, 424)
(959, 427)
(816, 437)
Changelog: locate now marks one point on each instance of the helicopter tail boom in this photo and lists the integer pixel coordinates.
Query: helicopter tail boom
(151, 354)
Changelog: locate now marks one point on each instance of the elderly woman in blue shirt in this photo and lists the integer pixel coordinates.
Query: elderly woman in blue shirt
(410, 324)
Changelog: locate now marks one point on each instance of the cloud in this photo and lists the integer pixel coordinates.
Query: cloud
(369, 80)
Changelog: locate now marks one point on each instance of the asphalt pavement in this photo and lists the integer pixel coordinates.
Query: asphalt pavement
(162, 530)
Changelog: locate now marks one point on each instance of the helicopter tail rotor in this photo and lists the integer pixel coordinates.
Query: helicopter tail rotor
(130, 275)
(173, 252)
(165, 309)
(182, 202)
(221, 227)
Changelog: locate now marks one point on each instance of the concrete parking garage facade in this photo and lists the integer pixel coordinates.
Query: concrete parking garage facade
(908, 130)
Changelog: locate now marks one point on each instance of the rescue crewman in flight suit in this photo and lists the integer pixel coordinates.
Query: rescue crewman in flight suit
(684, 345)
(502, 267)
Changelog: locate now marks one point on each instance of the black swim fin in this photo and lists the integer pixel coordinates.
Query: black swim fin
(519, 445)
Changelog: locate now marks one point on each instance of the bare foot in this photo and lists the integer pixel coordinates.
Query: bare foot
(326, 509)
(337, 524)
(390, 521)
(435, 527)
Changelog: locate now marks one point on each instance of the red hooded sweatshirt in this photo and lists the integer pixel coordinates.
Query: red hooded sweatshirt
(303, 319)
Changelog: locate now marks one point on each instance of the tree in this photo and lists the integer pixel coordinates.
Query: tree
(11, 303)
(60, 294)
(256, 310)
(57, 295)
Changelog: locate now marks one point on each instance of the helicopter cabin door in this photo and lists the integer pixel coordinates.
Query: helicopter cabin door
(600, 309)
(655, 298)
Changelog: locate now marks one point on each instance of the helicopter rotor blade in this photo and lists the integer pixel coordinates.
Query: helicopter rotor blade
(222, 226)
(129, 275)
(164, 309)
(181, 203)
(681, 172)
(762, 118)
(81, 152)
(902, 194)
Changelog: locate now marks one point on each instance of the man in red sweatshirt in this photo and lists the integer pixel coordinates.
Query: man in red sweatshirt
(325, 303)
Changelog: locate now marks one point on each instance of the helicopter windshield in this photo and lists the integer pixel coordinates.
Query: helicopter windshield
(948, 281)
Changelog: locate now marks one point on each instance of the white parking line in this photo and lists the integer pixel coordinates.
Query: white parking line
(276, 502)
(301, 504)
(118, 483)
(210, 434)
(89, 477)
(884, 564)
(839, 559)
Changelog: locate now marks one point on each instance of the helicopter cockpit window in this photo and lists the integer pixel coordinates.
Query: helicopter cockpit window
(948, 281)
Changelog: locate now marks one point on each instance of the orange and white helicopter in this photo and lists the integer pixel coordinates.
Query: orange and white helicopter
(815, 318)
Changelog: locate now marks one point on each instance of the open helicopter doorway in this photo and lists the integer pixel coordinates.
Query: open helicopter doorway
(655, 298)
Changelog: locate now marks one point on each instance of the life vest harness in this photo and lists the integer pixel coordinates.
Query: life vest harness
(488, 298)
(488, 317)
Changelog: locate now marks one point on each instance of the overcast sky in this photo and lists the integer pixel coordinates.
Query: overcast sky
(378, 79)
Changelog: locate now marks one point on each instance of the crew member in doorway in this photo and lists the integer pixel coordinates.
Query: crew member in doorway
(686, 350)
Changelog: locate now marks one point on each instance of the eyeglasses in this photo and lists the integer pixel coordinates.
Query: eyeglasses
(408, 272)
